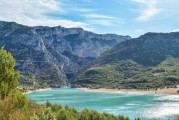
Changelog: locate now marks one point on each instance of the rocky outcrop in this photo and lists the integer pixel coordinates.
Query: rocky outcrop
(53, 54)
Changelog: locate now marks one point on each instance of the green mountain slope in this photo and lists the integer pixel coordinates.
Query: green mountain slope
(150, 61)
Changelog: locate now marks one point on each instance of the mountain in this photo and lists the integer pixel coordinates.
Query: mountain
(150, 61)
(53, 54)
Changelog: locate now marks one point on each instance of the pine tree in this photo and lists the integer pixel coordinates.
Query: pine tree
(8, 76)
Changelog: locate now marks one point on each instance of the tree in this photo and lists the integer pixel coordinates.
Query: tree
(12, 101)
(44, 113)
(8, 76)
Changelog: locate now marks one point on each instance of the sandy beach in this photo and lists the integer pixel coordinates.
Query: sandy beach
(44, 89)
(168, 91)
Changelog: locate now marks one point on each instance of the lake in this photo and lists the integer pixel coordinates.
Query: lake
(147, 107)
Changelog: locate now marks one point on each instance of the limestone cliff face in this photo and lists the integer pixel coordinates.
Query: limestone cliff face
(53, 54)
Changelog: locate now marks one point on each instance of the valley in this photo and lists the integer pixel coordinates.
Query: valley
(89, 60)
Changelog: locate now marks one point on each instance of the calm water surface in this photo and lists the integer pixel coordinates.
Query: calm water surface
(147, 107)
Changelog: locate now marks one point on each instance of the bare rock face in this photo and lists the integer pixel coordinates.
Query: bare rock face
(53, 54)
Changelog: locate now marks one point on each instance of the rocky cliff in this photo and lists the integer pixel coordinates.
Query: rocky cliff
(53, 54)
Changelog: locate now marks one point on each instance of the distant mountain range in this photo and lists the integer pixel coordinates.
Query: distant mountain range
(53, 54)
(150, 61)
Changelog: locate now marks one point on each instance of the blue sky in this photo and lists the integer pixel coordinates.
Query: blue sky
(124, 17)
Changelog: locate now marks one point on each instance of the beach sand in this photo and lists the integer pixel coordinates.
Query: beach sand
(44, 89)
(168, 91)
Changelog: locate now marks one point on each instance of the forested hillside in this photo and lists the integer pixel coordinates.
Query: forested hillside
(150, 61)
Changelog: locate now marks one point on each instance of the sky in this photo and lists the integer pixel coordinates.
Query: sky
(123, 17)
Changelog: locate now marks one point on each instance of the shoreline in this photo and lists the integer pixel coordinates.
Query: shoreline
(164, 91)
(37, 90)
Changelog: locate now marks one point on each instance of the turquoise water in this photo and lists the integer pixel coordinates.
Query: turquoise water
(147, 107)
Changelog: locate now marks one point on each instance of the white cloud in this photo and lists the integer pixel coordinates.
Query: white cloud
(148, 14)
(105, 20)
(99, 16)
(101, 22)
(38, 12)
(149, 9)
(35, 12)
(176, 30)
